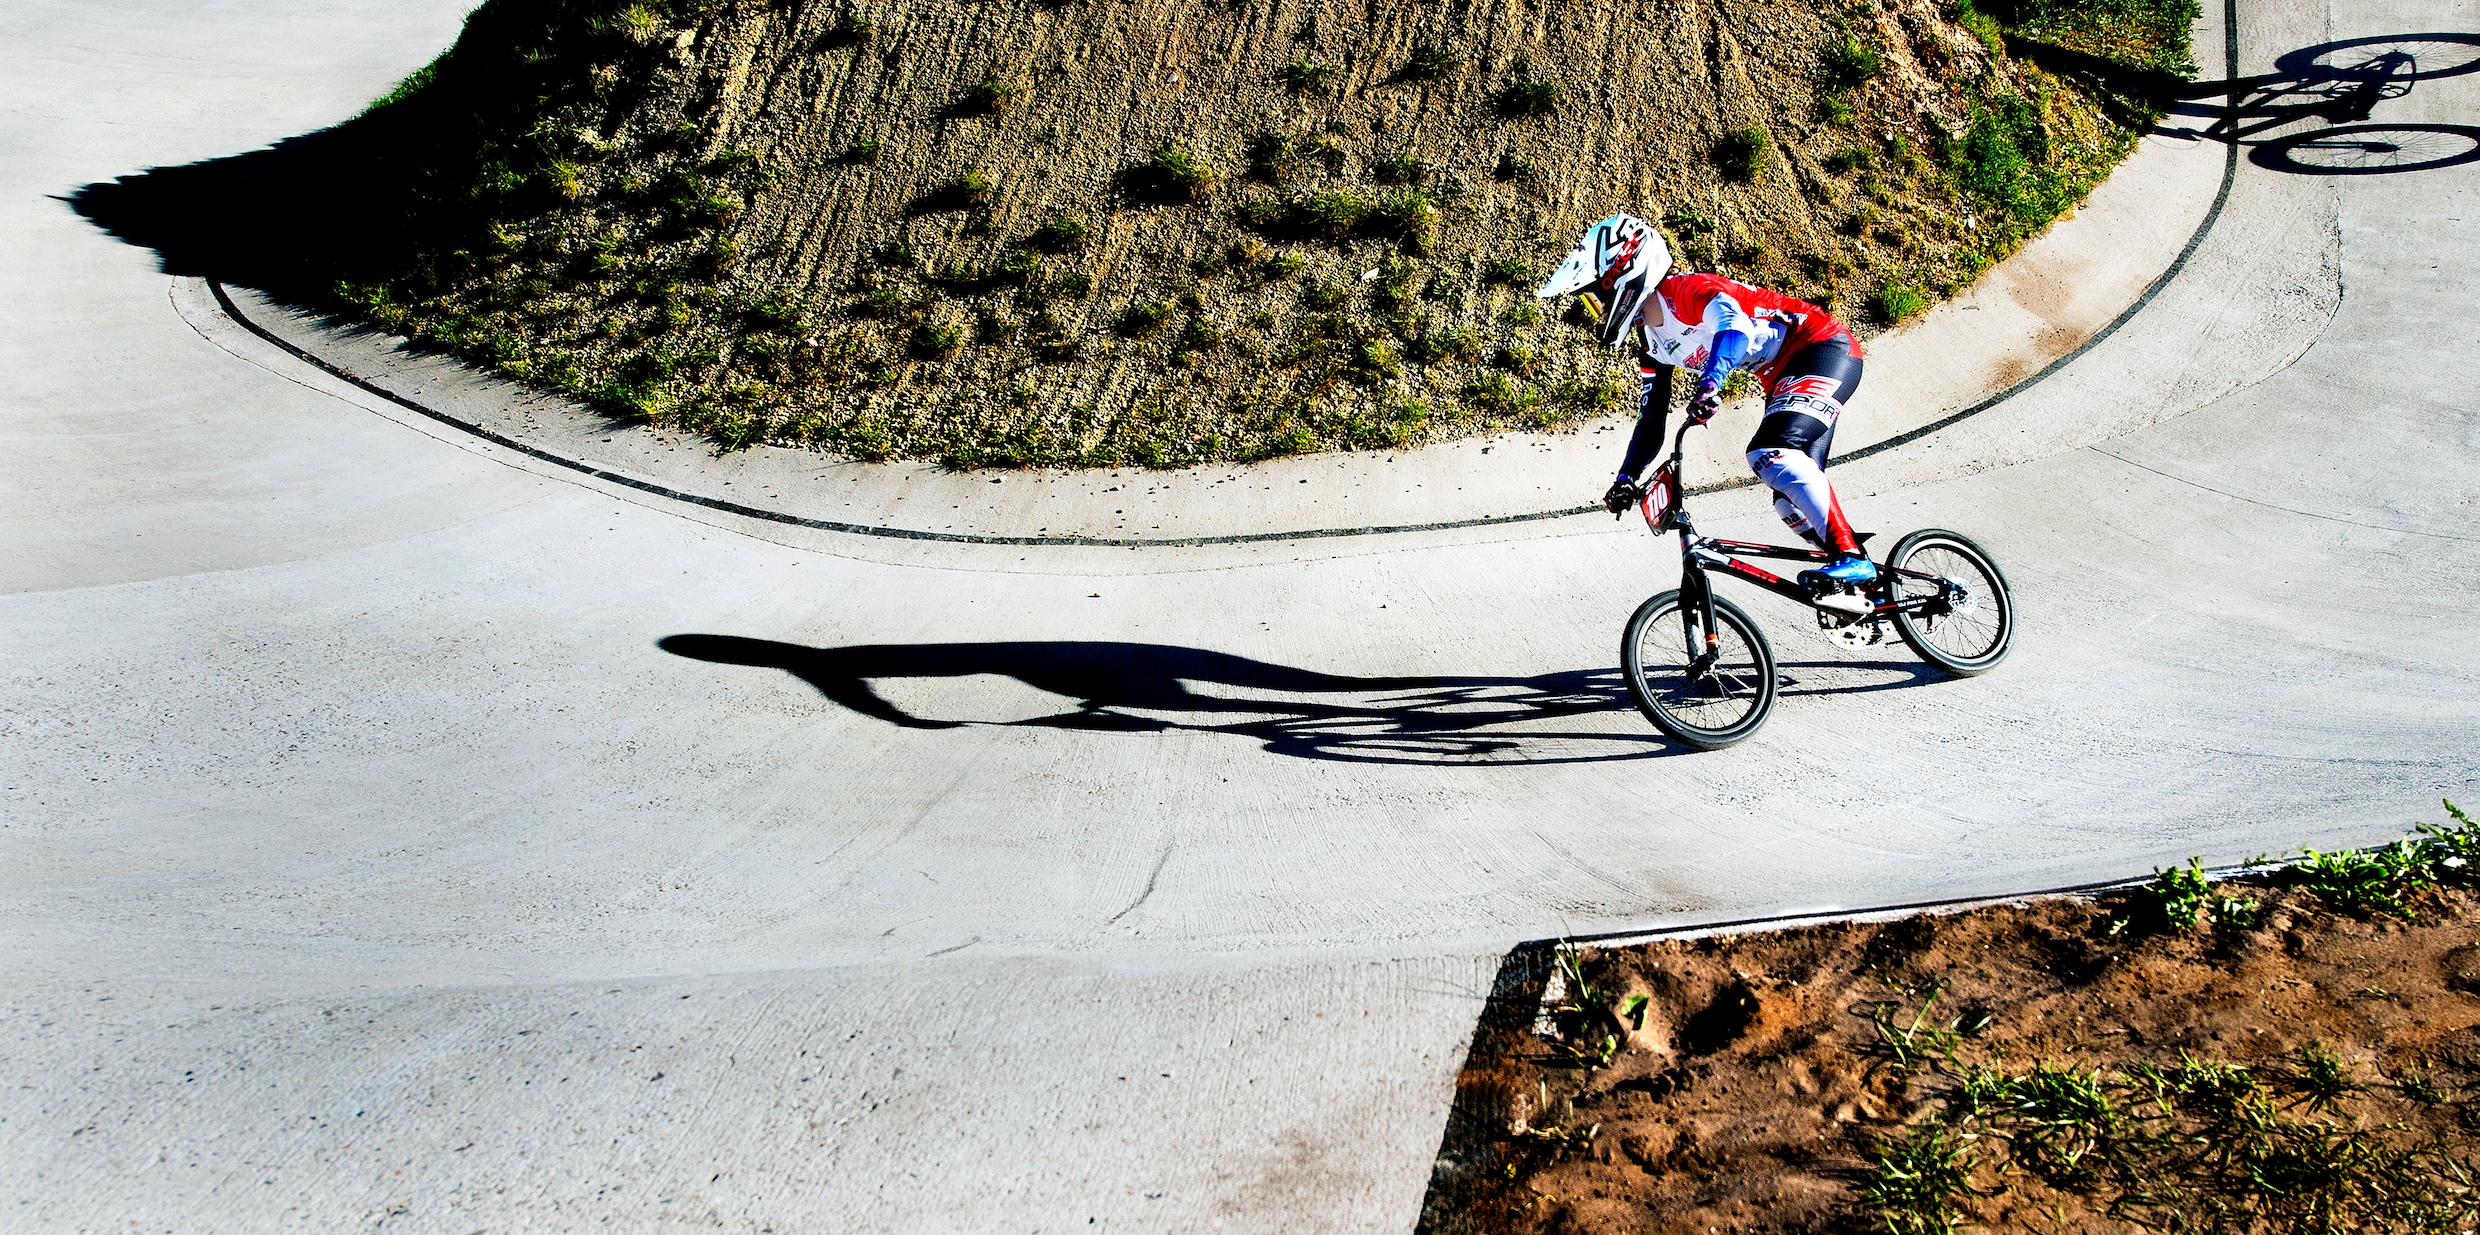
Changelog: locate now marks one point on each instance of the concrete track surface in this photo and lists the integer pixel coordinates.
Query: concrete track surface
(367, 858)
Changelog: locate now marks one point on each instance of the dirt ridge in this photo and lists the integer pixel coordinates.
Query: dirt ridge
(1104, 231)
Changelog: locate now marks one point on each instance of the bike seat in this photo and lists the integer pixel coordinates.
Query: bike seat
(1862, 537)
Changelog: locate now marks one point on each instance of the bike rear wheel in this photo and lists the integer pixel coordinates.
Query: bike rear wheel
(1967, 632)
(1709, 707)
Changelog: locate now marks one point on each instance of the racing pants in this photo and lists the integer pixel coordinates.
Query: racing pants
(1788, 452)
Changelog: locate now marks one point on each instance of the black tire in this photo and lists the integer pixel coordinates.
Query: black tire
(1721, 706)
(1973, 637)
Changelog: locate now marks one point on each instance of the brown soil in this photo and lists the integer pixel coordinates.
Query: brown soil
(1759, 1088)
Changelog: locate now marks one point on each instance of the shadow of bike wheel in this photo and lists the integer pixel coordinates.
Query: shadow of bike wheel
(2431, 55)
(2370, 150)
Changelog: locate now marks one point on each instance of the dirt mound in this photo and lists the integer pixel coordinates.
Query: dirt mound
(1105, 231)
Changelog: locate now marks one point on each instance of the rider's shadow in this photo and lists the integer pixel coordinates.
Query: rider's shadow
(1152, 688)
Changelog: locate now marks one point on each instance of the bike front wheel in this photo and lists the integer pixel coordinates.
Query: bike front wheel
(1708, 704)
(1963, 619)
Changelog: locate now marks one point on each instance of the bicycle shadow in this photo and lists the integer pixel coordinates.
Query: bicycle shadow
(2339, 83)
(1831, 677)
(1141, 688)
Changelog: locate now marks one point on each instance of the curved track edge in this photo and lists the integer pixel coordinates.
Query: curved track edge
(2204, 228)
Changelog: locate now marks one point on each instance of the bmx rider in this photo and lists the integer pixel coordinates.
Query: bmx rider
(1803, 358)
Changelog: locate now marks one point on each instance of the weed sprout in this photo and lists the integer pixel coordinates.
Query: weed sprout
(934, 341)
(1142, 318)
(1399, 169)
(1524, 98)
(1912, 1044)
(1429, 62)
(1917, 1182)
(1306, 76)
(1270, 157)
(1061, 233)
(988, 96)
(2380, 880)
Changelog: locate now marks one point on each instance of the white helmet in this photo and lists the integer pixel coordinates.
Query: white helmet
(1623, 256)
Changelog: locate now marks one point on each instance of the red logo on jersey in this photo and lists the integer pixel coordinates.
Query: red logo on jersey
(1814, 387)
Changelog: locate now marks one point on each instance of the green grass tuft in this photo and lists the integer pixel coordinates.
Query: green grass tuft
(1981, 26)
(1525, 98)
(1507, 272)
(1142, 318)
(1500, 395)
(1849, 64)
(1399, 169)
(414, 83)
(1062, 233)
(1306, 76)
(848, 29)
(1333, 213)
(1459, 343)
(1180, 175)
(1916, 1183)
(1406, 216)
(1429, 62)
(988, 96)
(1271, 157)
(934, 341)
(1897, 301)
(1740, 155)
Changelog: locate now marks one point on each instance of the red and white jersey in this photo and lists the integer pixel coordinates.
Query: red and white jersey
(1695, 307)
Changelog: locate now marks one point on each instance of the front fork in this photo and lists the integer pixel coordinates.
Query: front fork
(1696, 601)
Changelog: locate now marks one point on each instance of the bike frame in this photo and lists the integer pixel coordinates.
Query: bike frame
(1700, 554)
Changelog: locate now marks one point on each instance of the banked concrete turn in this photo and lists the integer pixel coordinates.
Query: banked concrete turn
(399, 832)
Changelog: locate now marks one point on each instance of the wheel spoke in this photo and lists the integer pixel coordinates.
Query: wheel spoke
(1970, 629)
(1726, 695)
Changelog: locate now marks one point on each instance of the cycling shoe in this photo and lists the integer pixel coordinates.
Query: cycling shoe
(1828, 585)
(1850, 569)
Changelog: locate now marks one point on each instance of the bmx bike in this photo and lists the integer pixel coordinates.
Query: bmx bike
(1701, 671)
